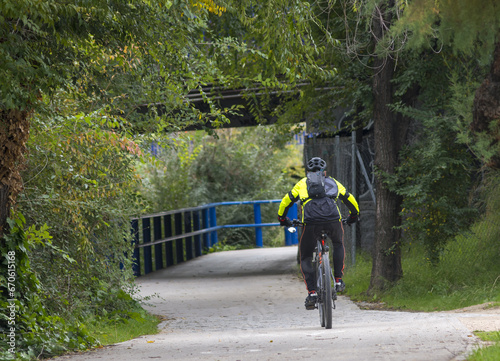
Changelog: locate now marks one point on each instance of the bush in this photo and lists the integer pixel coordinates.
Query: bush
(435, 179)
(81, 183)
(80, 190)
(237, 165)
(29, 330)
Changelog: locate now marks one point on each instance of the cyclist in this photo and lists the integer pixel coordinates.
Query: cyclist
(319, 214)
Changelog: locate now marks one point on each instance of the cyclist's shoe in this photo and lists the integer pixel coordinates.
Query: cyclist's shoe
(339, 285)
(311, 300)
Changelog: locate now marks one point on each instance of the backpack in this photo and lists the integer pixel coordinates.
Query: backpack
(316, 184)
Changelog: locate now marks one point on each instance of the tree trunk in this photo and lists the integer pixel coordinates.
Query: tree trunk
(14, 132)
(487, 106)
(387, 267)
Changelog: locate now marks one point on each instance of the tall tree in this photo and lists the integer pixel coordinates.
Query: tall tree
(117, 55)
(369, 62)
(472, 28)
(349, 41)
(388, 142)
(426, 26)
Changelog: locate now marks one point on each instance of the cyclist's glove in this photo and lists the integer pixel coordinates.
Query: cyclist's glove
(353, 218)
(285, 221)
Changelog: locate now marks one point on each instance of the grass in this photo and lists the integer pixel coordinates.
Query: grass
(490, 353)
(425, 287)
(109, 330)
(468, 274)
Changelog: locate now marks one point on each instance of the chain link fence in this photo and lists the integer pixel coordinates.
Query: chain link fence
(350, 161)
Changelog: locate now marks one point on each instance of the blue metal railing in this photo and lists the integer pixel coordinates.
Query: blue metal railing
(180, 235)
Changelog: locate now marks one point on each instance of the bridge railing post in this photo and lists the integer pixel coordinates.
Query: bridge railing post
(257, 216)
(198, 249)
(206, 224)
(213, 223)
(136, 260)
(146, 238)
(169, 246)
(291, 238)
(159, 246)
(188, 240)
(179, 244)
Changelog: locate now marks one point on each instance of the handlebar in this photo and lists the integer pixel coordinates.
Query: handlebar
(296, 223)
(344, 221)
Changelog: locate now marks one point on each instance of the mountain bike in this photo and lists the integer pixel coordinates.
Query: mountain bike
(327, 295)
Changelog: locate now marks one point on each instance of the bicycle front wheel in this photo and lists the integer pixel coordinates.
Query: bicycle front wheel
(327, 303)
(320, 288)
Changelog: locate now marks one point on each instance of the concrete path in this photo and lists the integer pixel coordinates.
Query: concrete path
(249, 305)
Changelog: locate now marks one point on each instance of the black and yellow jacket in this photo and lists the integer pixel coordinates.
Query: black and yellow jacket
(319, 210)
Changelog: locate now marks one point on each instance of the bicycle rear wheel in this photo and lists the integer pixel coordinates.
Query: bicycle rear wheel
(327, 303)
(319, 282)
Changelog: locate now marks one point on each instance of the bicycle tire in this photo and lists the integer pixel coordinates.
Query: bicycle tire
(319, 282)
(327, 303)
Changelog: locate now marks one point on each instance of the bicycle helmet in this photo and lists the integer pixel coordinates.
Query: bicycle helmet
(316, 164)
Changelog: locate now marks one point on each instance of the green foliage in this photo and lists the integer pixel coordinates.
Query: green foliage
(469, 26)
(65, 61)
(444, 286)
(489, 336)
(120, 55)
(437, 173)
(241, 165)
(86, 204)
(31, 328)
(167, 180)
(222, 247)
(467, 272)
(358, 276)
(273, 47)
(237, 165)
(434, 179)
(74, 258)
(342, 47)
(281, 32)
(28, 329)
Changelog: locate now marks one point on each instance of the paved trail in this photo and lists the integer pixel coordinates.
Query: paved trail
(248, 305)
